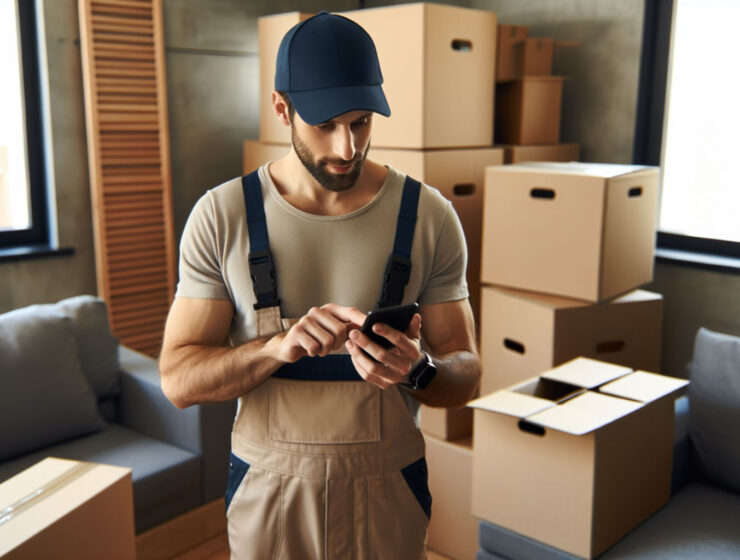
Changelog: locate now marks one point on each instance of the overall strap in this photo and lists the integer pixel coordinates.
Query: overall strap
(261, 265)
(398, 269)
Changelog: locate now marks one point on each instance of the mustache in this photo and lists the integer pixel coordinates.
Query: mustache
(342, 162)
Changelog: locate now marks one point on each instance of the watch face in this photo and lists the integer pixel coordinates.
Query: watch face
(425, 376)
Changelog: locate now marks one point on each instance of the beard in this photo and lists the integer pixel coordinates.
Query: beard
(336, 182)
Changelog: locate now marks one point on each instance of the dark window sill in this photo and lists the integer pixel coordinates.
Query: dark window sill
(719, 263)
(25, 252)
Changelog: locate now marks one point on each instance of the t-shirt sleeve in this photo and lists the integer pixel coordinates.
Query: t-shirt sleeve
(200, 258)
(447, 279)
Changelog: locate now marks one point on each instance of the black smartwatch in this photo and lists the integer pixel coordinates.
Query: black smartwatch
(421, 374)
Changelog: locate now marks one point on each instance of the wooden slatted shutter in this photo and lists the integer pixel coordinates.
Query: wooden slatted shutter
(129, 160)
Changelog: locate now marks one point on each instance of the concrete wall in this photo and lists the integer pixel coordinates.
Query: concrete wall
(212, 80)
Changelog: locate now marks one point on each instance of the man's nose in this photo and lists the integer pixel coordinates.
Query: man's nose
(344, 143)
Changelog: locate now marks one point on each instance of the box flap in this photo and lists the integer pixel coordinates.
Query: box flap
(586, 373)
(513, 404)
(584, 414)
(644, 387)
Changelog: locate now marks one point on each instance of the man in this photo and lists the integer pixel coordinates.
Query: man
(327, 459)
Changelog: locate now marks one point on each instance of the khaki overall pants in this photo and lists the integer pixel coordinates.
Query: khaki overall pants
(325, 470)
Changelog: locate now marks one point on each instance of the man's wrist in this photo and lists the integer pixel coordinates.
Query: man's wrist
(420, 374)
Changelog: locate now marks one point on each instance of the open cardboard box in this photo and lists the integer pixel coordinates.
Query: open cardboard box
(576, 457)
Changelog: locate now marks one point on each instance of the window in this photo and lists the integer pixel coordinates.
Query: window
(688, 117)
(23, 211)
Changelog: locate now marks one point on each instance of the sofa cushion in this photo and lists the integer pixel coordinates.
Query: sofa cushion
(166, 479)
(44, 396)
(98, 346)
(714, 412)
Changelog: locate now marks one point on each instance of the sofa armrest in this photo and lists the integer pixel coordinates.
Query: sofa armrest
(203, 429)
(682, 466)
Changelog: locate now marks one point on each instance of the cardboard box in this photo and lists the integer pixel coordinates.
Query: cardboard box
(453, 529)
(68, 510)
(523, 334)
(446, 423)
(577, 230)
(541, 152)
(438, 68)
(270, 31)
(509, 52)
(256, 154)
(528, 110)
(577, 457)
(459, 175)
(537, 54)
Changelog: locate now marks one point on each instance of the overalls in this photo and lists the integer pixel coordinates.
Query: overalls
(325, 465)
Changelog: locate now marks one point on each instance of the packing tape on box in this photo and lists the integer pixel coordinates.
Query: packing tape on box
(44, 491)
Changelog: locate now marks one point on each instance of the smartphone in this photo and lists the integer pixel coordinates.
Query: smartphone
(398, 317)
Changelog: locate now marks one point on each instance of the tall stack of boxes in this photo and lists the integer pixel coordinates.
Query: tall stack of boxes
(529, 98)
(566, 247)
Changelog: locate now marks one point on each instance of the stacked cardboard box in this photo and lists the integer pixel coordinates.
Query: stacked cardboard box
(529, 98)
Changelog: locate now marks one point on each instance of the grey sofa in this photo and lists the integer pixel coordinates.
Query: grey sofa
(68, 389)
(702, 519)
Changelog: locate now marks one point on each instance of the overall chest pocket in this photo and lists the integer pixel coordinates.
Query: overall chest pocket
(317, 412)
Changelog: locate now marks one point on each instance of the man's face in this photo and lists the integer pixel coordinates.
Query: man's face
(333, 152)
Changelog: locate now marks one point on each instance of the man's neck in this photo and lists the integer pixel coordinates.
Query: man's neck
(301, 190)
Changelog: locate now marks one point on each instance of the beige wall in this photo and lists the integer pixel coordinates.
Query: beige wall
(4, 192)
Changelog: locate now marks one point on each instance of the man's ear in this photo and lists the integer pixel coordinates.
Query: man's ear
(280, 107)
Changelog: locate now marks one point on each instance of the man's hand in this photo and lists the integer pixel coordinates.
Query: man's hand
(392, 364)
(318, 333)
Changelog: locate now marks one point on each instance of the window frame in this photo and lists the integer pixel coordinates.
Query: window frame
(649, 126)
(38, 232)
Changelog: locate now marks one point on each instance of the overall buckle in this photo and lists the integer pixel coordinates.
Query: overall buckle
(262, 271)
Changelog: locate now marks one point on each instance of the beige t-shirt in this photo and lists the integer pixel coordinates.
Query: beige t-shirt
(319, 259)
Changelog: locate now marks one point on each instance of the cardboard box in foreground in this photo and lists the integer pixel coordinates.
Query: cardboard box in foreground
(453, 529)
(523, 334)
(68, 510)
(577, 230)
(576, 457)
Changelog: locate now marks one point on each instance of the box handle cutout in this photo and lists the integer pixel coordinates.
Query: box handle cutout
(462, 45)
(539, 192)
(634, 192)
(610, 346)
(514, 346)
(464, 189)
(531, 428)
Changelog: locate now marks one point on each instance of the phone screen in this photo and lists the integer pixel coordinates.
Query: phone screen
(397, 317)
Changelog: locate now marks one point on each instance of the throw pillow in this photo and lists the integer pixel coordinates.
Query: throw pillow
(98, 346)
(44, 396)
(714, 406)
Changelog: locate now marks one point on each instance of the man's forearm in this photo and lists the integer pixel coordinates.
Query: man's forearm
(458, 375)
(196, 373)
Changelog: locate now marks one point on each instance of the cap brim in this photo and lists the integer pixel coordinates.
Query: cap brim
(321, 105)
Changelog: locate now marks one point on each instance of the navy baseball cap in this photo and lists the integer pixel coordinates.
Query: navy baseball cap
(328, 66)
